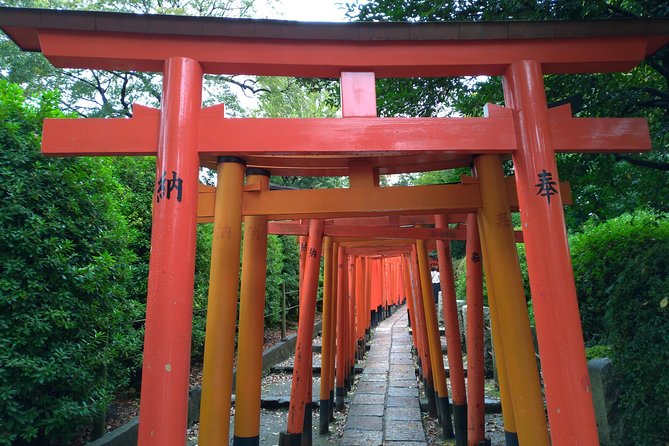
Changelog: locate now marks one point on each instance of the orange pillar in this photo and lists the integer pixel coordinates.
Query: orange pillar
(351, 320)
(504, 279)
(475, 371)
(434, 340)
(251, 322)
(406, 277)
(368, 297)
(165, 372)
(424, 350)
(326, 364)
(305, 334)
(567, 383)
(360, 306)
(452, 328)
(333, 325)
(342, 313)
(219, 343)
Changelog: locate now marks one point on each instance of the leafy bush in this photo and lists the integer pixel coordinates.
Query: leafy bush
(599, 253)
(65, 271)
(637, 320)
(598, 351)
(273, 290)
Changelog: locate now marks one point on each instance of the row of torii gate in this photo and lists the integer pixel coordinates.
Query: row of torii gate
(387, 262)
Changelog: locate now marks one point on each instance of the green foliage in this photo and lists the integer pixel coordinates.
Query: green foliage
(200, 293)
(605, 186)
(600, 253)
(637, 320)
(273, 291)
(65, 268)
(598, 351)
(96, 93)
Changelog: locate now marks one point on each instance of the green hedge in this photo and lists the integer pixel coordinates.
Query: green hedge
(600, 253)
(621, 269)
(65, 272)
(637, 321)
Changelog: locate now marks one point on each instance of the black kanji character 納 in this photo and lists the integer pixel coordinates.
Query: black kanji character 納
(167, 185)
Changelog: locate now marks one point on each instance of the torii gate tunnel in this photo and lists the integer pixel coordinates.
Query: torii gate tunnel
(184, 136)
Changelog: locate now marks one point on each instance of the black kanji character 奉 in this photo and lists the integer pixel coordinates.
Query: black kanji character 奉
(476, 257)
(546, 184)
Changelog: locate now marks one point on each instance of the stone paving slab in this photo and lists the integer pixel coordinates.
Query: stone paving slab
(403, 401)
(405, 431)
(371, 387)
(354, 437)
(403, 414)
(365, 423)
(366, 409)
(369, 398)
(402, 391)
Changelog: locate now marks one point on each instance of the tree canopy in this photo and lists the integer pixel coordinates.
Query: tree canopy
(605, 186)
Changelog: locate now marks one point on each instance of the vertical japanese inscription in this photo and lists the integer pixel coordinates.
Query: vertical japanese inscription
(167, 185)
(546, 185)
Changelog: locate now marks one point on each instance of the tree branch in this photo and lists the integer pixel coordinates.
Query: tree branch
(656, 165)
(247, 85)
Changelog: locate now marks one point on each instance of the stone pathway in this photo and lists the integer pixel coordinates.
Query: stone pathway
(385, 409)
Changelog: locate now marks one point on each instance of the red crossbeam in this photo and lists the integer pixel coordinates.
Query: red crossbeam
(351, 137)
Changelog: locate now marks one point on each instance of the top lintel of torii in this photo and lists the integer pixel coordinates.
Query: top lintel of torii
(115, 41)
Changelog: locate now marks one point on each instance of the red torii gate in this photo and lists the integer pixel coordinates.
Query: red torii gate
(183, 136)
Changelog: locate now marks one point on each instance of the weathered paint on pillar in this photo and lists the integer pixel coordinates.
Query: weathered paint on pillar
(424, 350)
(251, 322)
(333, 324)
(326, 356)
(433, 339)
(452, 331)
(567, 383)
(510, 430)
(219, 344)
(506, 295)
(475, 370)
(165, 371)
(342, 313)
(301, 382)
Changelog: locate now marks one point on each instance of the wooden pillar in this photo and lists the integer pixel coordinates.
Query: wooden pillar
(326, 364)
(334, 325)
(564, 368)
(351, 320)
(360, 306)
(342, 313)
(305, 334)
(424, 350)
(434, 340)
(165, 371)
(452, 331)
(251, 322)
(507, 296)
(475, 344)
(219, 343)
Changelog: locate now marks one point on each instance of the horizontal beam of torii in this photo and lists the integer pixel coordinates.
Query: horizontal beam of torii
(381, 232)
(142, 42)
(360, 202)
(295, 143)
